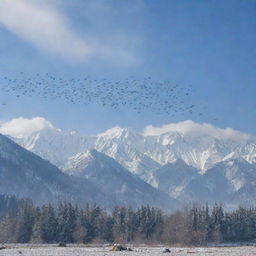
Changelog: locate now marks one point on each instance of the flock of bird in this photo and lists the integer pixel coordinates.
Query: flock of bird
(137, 94)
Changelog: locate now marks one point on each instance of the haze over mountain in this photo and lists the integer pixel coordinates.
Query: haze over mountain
(27, 175)
(199, 145)
(232, 182)
(104, 181)
(187, 161)
(114, 179)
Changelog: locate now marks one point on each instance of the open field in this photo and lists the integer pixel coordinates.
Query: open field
(52, 250)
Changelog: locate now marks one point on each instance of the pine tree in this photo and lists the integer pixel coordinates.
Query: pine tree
(66, 223)
(48, 224)
(26, 221)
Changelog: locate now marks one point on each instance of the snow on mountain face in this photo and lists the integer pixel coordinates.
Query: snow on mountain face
(188, 166)
(141, 154)
(173, 178)
(248, 152)
(231, 182)
(25, 174)
(199, 152)
(127, 148)
(114, 179)
(55, 146)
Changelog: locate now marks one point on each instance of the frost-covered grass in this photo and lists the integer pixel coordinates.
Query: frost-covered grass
(70, 250)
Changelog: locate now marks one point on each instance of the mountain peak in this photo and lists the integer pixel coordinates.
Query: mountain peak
(115, 132)
(199, 145)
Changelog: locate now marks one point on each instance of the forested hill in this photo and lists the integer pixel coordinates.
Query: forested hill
(22, 222)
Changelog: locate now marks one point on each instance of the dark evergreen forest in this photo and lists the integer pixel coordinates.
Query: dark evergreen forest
(23, 222)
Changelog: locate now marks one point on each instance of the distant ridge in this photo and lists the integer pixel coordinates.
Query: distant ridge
(180, 160)
(27, 175)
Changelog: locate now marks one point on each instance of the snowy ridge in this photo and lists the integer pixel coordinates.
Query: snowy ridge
(103, 181)
(141, 154)
(186, 166)
(113, 178)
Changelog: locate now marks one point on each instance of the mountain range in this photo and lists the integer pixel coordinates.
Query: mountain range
(103, 181)
(188, 167)
(139, 153)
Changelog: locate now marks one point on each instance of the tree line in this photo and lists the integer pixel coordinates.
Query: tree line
(23, 222)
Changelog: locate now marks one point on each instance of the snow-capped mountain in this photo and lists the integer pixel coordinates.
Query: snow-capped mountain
(54, 145)
(140, 153)
(27, 175)
(174, 179)
(66, 149)
(232, 182)
(188, 161)
(114, 179)
(103, 181)
(229, 180)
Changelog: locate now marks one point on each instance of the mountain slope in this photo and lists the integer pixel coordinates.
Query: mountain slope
(55, 145)
(140, 154)
(182, 182)
(113, 178)
(233, 182)
(210, 156)
(174, 177)
(27, 175)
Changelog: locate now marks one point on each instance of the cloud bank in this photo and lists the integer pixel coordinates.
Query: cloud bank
(194, 129)
(45, 27)
(20, 127)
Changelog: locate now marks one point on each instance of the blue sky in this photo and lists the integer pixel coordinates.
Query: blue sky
(206, 45)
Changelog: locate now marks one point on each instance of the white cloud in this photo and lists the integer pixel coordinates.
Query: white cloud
(20, 127)
(195, 129)
(45, 27)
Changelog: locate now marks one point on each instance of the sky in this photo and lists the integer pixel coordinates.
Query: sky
(206, 45)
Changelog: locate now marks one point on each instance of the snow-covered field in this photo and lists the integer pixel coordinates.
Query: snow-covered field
(30, 250)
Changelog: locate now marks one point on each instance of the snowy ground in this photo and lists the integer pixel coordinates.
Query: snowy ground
(45, 250)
